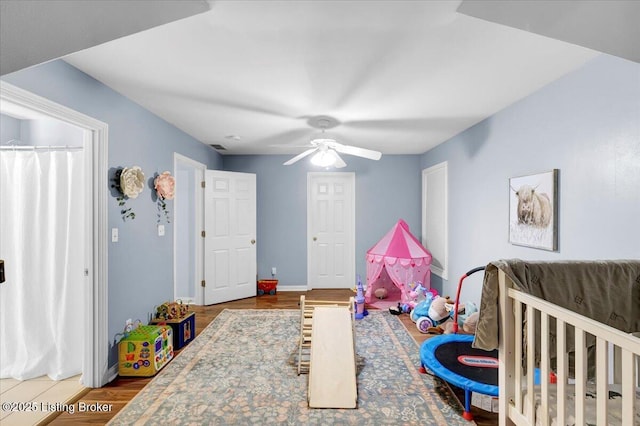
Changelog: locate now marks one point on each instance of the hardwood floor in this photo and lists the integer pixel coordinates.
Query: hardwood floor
(119, 392)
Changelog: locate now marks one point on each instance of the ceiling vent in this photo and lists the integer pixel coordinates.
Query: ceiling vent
(218, 147)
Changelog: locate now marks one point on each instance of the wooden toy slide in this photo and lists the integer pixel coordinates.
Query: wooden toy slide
(327, 329)
(306, 324)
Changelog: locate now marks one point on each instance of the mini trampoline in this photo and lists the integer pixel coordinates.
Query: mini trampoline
(451, 357)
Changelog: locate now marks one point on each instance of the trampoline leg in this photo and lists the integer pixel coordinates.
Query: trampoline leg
(467, 405)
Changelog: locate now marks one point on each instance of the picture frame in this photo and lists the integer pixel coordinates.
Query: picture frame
(533, 210)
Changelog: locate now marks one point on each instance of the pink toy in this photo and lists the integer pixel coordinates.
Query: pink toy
(361, 312)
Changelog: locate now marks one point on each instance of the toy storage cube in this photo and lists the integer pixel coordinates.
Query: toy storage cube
(267, 287)
(184, 329)
(145, 350)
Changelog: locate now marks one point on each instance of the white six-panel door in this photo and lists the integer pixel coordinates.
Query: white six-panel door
(230, 236)
(331, 230)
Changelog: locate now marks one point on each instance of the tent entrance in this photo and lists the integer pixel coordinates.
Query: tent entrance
(394, 295)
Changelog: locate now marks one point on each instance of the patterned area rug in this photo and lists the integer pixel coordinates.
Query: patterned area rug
(241, 370)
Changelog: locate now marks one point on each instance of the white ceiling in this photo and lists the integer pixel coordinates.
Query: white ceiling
(400, 76)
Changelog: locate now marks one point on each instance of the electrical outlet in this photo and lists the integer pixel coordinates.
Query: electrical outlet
(273, 271)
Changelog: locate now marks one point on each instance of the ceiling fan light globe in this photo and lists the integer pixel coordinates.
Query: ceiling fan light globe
(323, 158)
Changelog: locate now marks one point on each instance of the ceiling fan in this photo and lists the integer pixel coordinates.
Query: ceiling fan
(326, 150)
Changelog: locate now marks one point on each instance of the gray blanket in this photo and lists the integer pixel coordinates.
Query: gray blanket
(606, 291)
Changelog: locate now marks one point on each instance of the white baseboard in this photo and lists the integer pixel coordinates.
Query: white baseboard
(293, 288)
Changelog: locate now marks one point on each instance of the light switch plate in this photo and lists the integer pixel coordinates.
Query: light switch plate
(161, 230)
(114, 235)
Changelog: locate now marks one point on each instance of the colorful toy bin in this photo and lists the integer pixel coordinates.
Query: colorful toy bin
(184, 328)
(145, 350)
(267, 287)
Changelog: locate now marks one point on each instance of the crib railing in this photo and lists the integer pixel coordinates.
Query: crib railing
(517, 401)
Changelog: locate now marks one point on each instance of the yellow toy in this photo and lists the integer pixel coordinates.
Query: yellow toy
(145, 350)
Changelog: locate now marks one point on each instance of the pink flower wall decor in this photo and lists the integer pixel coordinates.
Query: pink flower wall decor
(165, 185)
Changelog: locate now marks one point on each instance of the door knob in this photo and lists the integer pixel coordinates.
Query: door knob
(315, 238)
(253, 241)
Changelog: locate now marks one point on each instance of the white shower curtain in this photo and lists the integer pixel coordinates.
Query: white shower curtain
(41, 241)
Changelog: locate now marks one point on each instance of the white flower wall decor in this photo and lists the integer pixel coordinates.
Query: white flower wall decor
(129, 181)
(132, 181)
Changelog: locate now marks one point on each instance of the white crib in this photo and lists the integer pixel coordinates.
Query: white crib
(616, 367)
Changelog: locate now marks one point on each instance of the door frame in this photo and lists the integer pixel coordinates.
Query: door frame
(96, 137)
(198, 209)
(351, 219)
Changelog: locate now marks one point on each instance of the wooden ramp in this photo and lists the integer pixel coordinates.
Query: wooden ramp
(332, 369)
(306, 325)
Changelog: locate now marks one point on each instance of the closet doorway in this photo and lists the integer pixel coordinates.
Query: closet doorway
(90, 168)
(188, 225)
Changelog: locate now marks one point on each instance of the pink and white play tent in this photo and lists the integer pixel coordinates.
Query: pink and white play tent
(396, 262)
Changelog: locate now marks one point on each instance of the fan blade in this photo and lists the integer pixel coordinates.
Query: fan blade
(299, 156)
(432, 123)
(339, 161)
(358, 152)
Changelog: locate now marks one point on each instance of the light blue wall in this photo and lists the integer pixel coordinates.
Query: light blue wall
(42, 131)
(141, 263)
(586, 124)
(9, 129)
(386, 191)
(50, 132)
